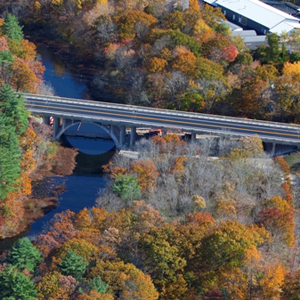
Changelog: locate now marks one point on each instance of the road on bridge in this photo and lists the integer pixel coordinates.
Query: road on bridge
(120, 114)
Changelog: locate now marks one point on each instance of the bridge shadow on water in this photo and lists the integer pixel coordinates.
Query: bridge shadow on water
(93, 152)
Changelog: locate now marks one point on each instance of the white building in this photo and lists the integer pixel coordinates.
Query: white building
(254, 14)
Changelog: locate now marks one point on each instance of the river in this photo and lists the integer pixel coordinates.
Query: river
(84, 184)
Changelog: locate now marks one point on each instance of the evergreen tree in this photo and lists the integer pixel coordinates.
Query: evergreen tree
(24, 255)
(12, 107)
(10, 156)
(14, 285)
(12, 29)
(73, 265)
(6, 57)
(127, 187)
(98, 285)
(13, 123)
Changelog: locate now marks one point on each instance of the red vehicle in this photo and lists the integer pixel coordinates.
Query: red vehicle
(154, 131)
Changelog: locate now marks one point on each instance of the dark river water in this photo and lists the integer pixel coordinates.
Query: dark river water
(84, 184)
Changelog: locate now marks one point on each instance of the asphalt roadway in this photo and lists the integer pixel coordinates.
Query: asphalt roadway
(121, 114)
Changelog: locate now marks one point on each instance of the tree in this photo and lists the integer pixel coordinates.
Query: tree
(83, 219)
(13, 109)
(292, 69)
(73, 265)
(125, 280)
(98, 285)
(80, 247)
(127, 187)
(161, 257)
(213, 16)
(12, 29)
(48, 286)
(273, 52)
(224, 248)
(272, 281)
(175, 20)
(147, 173)
(15, 285)
(10, 157)
(185, 62)
(193, 4)
(191, 101)
(247, 101)
(157, 64)
(24, 255)
(127, 21)
(291, 286)
(23, 78)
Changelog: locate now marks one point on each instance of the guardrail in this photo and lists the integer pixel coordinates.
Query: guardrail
(141, 109)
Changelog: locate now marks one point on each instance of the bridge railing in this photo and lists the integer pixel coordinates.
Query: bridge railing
(142, 109)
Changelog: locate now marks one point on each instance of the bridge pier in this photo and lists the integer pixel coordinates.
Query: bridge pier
(193, 137)
(56, 124)
(132, 136)
(46, 120)
(273, 149)
(122, 135)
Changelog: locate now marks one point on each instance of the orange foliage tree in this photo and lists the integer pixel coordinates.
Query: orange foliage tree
(147, 173)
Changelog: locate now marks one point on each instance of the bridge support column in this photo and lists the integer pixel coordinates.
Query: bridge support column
(56, 123)
(122, 135)
(273, 149)
(46, 120)
(193, 137)
(132, 136)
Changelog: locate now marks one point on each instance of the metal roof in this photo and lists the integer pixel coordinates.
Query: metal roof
(285, 27)
(232, 26)
(244, 33)
(257, 11)
(286, 7)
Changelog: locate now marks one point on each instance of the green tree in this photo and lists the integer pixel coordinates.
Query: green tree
(127, 187)
(10, 157)
(6, 57)
(274, 52)
(24, 255)
(98, 285)
(12, 29)
(12, 107)
(15, 285)
(73, 265)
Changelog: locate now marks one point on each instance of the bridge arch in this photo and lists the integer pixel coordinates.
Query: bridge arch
(110, 132)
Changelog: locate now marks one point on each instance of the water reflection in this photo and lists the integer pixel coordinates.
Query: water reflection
(65, 83)
(82, 191)
(89, 138)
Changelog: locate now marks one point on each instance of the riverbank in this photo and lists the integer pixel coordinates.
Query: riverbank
(44, 196)
(68, 54)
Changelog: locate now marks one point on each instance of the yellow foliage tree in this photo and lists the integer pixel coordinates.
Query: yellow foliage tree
(186, 63)
(83, 219)
(175, 290)
(81, 247)
(193, 4)
(99, 215)
(147, 174)
(157, 64)
(272, 281)
(23, 78)
(125, 279)
(292, 69)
